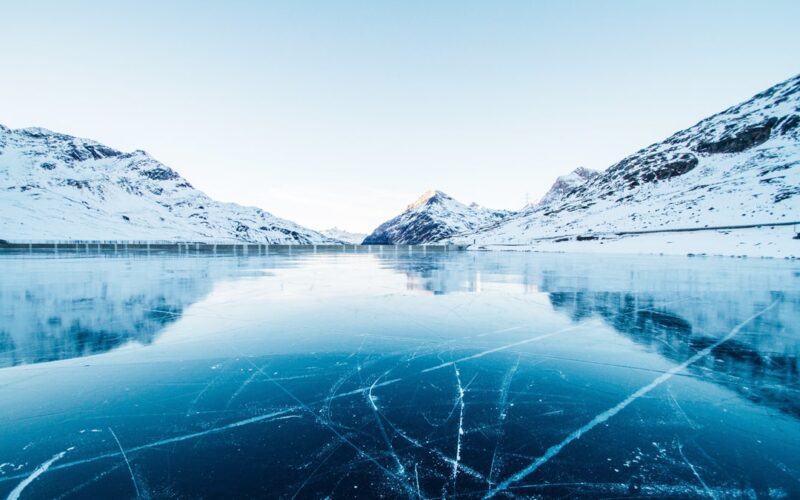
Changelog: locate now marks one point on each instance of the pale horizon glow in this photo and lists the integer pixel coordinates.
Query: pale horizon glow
(342, 113)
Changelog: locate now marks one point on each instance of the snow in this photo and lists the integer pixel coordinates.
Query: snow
(770, 241)
(739, 167)
(567, 183)
(432, 217)
(57, 187)
(343, 235)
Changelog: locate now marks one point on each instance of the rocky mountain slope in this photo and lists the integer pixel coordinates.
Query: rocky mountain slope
(566, 184)
(433, 217)
(58, 187)
(738, 167)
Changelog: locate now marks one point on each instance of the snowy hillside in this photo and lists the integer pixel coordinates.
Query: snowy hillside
(738, 167)
(434, 216)
(565, 184)
(344, 236)
(58, 187)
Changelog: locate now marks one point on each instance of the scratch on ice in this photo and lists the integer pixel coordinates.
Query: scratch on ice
(460, 424)
(504, 347)
(611, 412)
(41, 469)
(127, 462)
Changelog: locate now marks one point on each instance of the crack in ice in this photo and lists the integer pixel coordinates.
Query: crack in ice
(338, 434)
(377, 414)
(267, 417)
(41, 469)
(460, 399)
(604, 416)
(503, 406)
(504, 347)
(696, 474)
(127, 462)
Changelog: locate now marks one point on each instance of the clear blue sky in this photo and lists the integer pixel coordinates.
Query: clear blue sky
(342, 112)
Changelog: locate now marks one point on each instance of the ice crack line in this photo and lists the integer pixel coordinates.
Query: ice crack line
(376, 412)
(415, 442)
(503, 405)
(416, 474)
(329, 425)
(127, 462)
(275, 415)
(15, 493)
(504, 347)
(696, 474)
(599, 419)
(460, 397)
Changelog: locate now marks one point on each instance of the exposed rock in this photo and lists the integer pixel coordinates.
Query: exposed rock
(568, 185)
(89, 191)
(434, 216)
(743, 140)
(789, 123)
(714, 173)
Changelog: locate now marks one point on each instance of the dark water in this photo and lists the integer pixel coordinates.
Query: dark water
(396, 375)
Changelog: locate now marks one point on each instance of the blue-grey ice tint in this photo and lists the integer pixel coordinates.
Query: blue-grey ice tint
(365, 372)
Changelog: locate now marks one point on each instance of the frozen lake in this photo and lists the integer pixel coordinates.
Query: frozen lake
(391, 374)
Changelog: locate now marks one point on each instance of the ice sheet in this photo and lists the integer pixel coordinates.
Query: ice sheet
(395, 374)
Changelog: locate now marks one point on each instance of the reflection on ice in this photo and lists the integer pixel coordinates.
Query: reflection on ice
(354, 374)
(762, 368)
(54, 309)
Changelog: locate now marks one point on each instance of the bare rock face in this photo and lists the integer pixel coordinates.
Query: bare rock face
(742, 140)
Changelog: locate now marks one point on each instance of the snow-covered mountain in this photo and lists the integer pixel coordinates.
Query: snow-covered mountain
(433, 217)
(345, 236)
(565, 184)
(738, 167)
(58, 187)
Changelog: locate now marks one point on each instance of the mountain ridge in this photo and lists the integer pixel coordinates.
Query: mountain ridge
(432, 217)
(736, 167)
(344, 236)
(565, 184)
(60, 187)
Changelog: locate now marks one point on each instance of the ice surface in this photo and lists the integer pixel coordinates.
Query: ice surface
(389, 373)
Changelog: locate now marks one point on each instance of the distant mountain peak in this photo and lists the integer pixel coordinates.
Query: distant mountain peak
(586, 173)
(565, 184)
(429, 197)
(36, 131)
(343, 235)
(434, 216)
(739, 167)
